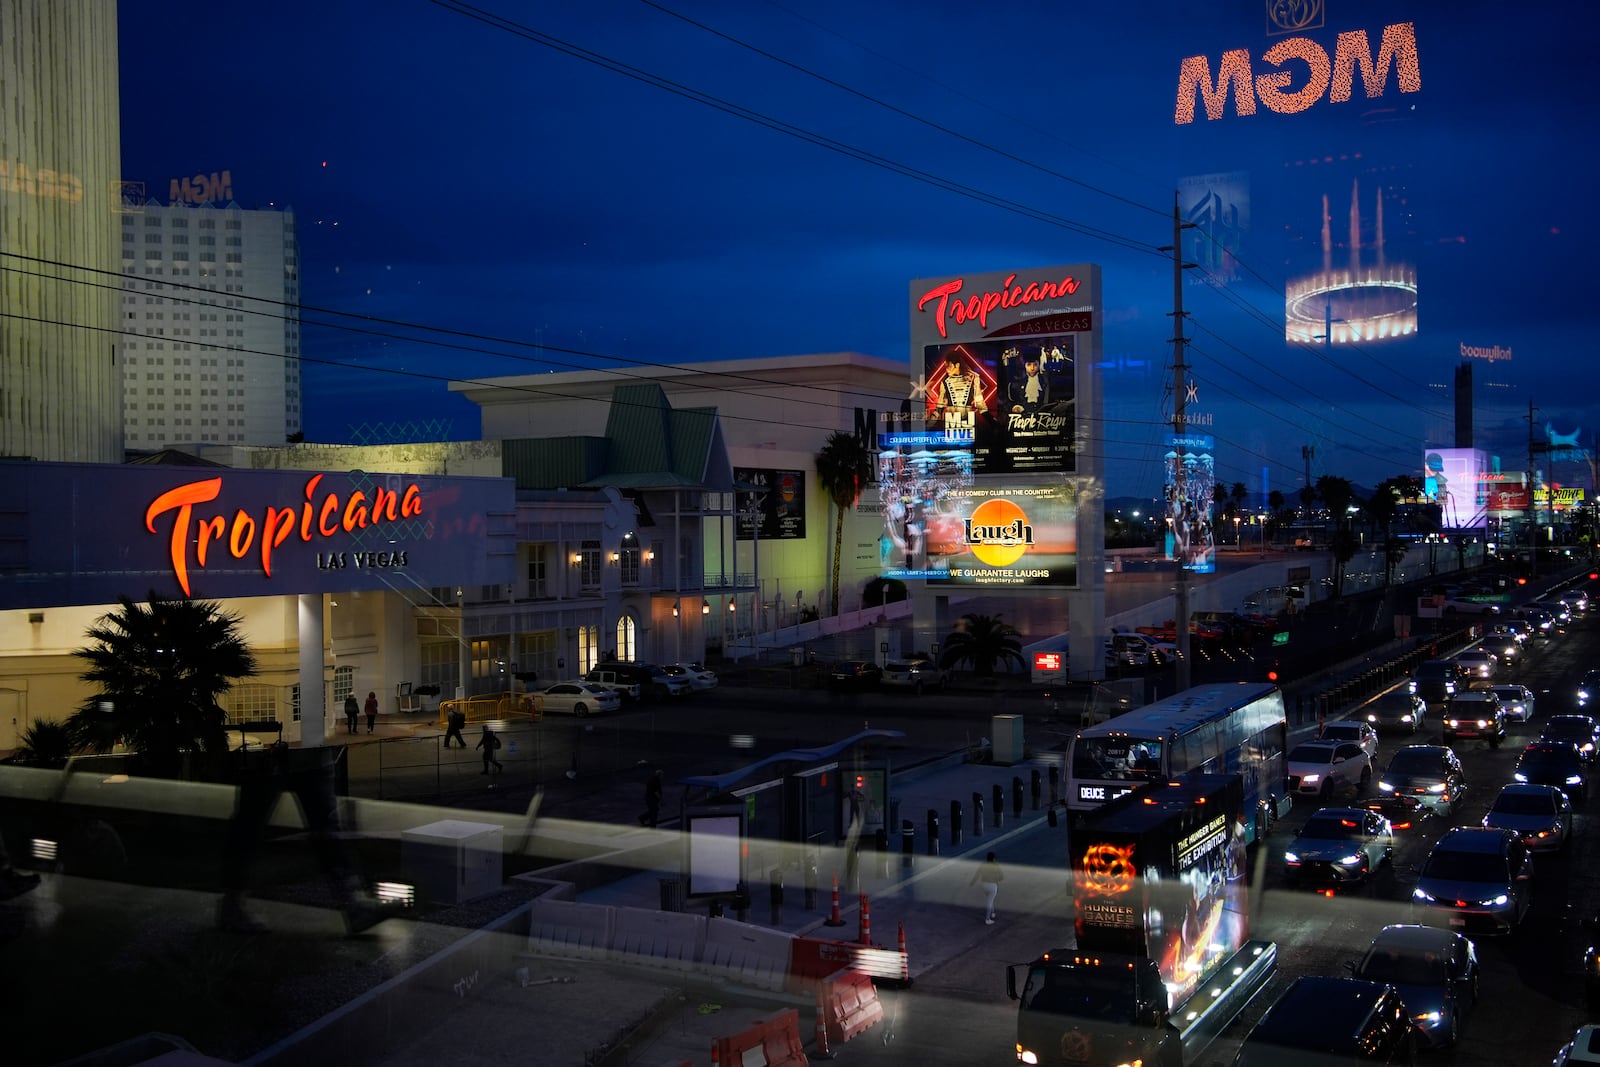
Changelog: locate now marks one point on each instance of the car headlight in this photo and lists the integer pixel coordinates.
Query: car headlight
(1310, 778)
(1385, 787)
(1519, 776)
(1027, 1055)
(1412, 686)
(1427, 1018)
(1452, 723)
(1349, 861)
(1420, 893)
(1406, 717)
(1437, 787)
(1291, 857)
(1372, 718)
(1588, 746)
(1502, 900)
(1483, 724)
(1574, 779)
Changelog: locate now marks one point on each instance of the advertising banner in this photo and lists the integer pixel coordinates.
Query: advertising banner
(90, 533)
(1456, 480)
(1191, 480)
(999, 356)
(775, 510)
(971, 535)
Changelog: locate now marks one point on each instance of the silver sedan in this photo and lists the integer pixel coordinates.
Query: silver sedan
(1340, 845)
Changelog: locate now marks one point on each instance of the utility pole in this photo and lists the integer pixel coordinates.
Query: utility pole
(1533, 507)
(1180, 474)
(1306, 452)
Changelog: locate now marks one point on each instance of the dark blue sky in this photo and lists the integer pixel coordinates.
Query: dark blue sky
(472, 177)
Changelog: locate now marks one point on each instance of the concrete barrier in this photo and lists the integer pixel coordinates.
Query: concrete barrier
(664, 938)
(850, 1004)
(568, 928)
(775, 1040)
(754, 955)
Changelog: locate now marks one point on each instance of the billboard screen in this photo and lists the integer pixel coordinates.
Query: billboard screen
(1456, 480)
(775, 509)
(981, 535)
(1191, 480)
(999, 355)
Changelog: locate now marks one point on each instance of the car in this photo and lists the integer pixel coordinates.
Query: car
(1584, 1048)
(1427, 779)
(1554, 605)
(1541, 623)
(1587, 690)
(1480, 665)
(1576, 599)
(577, 698)
(700, 678)
(621, 682)
(1506, 639)
(1321, 767)
(1479, 879)
(1339, 846)
(1581, 730)
(1130, 649)
(1434, 971)
(1397, 711)
(1541, 814)
(1332, 1020)
(650, 680)
(1475, 713)
(854, 674)
(1353, 730)
(1517, 700)
(1557, 763)
(1436, 680)
(913, 674)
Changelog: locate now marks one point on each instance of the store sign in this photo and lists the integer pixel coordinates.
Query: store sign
(1302, 74)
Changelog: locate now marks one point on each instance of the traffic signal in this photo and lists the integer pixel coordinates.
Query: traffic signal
(1272, 672)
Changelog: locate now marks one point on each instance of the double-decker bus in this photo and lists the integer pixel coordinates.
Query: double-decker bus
(1229, 728)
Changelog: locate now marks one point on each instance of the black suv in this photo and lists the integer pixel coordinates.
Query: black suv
(1332, 1020)
(1436, 680)
(1420, 778)
(1557, 763)
(1580, 730)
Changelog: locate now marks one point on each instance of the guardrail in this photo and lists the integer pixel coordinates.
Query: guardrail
(488, 706)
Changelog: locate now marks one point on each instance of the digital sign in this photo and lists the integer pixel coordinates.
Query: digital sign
(775, 509)
(1191, 480)
(980, 535)
(1457, 480)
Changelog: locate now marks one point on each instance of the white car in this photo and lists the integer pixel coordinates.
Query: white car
(1517, 700)
(1363, 734)
(698, 676)
(1320, 768)
(577, 698)
(1481, 666)
(913, 674)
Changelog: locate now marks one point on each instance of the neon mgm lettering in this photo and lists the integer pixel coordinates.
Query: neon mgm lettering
(202, 188)
(315, 517)
(1006, 535)
(44, 183)
(1397, 48)
(977, 306)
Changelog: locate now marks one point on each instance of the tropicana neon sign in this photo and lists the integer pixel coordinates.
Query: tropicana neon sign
(978, 305)
(1396, 48)
(277, 524)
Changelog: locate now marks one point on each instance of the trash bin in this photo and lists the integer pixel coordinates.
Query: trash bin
(671, 894)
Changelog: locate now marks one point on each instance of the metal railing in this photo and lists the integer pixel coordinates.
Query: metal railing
(486, 707)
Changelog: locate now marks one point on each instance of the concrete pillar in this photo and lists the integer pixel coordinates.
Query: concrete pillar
(313, 712)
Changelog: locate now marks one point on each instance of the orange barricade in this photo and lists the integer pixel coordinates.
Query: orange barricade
(778, 1038)
(851, 1002)
(813, 959)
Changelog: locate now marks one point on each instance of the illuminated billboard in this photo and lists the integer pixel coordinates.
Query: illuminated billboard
(1218, 207)
(999, 356)
(1190, 488)
(1457, 480)
(771, 504)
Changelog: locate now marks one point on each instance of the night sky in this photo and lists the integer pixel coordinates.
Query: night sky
(622, 183)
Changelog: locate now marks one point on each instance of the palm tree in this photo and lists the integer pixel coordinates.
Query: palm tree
(984, 642)
(1337, 493)
(844, 467)
(46, 744)
(158, 669)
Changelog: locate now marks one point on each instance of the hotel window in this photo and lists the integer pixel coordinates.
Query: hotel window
(344, 684)
(538, 571)
(629, 559)
(589, 567)
(251, 702)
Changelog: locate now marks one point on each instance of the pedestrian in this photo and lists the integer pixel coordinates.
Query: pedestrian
(989, 875)
(372, 712)
(455, 721)
(652, 799)
(489, 742)
(351, 711)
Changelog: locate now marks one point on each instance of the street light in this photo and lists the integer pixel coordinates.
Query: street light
(1261, 520)
(1236, 533)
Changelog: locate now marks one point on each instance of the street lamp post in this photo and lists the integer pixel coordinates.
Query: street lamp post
(1261, 521)
(1236, 533)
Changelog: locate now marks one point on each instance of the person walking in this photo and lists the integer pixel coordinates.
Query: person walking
(652, 799)
(989, 875)
(352, 711)
(489, 742)
(454, 722)
(372, 712)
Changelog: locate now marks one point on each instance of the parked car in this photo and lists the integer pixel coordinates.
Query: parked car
(1141, 650)
(1339, 846)
(1434, 971)
(1397, 711)
(699, 677)
(913, 674)
(1321, 767)
(650, 679)
(1475, 713)
(1424, 779)
(1557, 763)
(1480, 880)
(624, 683)
(1581, 730)
(1517, 700)
(577, 698)
(1540, 814)
(1436, 680)
(1479, 664)
(1332, 1020)
(854, 674)
(1353, 730)
(1584, 1048)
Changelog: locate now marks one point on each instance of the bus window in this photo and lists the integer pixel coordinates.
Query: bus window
(1115, 758)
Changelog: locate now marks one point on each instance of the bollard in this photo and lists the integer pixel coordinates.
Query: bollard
(1016, 797)
(933, 832)
(977, 815)
(880, 838)
(833, 919)
(908, 837)
(956, 816)
(1055, 784)
(998, 816)
(811, 885)
(741, 902)
(1037, 787)
(775, 895)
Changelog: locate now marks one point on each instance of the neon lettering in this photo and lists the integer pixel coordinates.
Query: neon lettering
(976, 307)
(1352, 53)
(278, 524)
(1015, 532)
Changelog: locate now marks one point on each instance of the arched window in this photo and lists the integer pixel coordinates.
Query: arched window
(627, 630)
